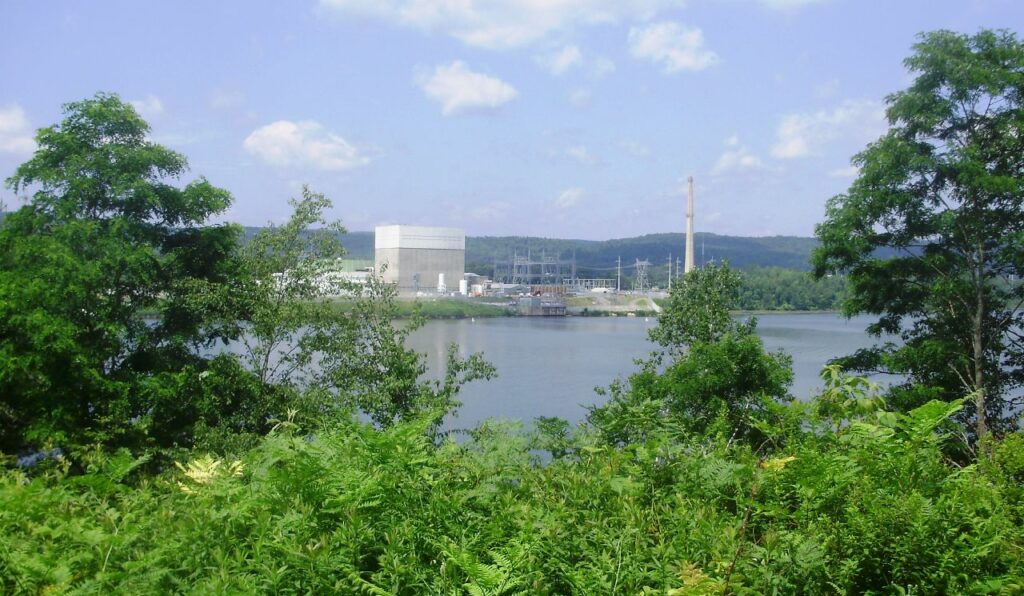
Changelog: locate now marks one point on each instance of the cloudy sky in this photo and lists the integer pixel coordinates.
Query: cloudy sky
(563, 118)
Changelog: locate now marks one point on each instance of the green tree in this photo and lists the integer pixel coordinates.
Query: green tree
(931, 233)
(697, 310)
(289, 274)
(324, 346)
(370, 369)
(106, 237)
(718, 379)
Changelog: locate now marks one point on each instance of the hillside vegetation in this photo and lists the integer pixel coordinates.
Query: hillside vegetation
(598, 257)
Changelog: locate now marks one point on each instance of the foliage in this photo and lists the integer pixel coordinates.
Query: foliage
(103, 236)
(349, 508)
(373, 372)
(719, 379)
(281, 299)
(321, 360)
(105, 240)
(698, 309)
(773, 288)
(439, 308)
(943, 192)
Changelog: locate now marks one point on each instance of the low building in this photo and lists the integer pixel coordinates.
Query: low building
(541, 306)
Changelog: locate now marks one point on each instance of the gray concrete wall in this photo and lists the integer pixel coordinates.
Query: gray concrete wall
(403, 264)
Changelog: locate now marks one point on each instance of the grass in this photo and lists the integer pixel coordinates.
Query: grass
(440, 308)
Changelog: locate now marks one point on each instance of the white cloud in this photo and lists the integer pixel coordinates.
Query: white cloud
(15, 131)
(568, 198)
(303, 144)
(581, 155)
(736, 157)
(827, 88)
(675, 46)
(569, 57)
(800, 135)
(500, 24)
(223, 99)
(601, 67)
(559, 62)
(150, 107)
(788, 4)
(460, 90)
(636, 149)
(847, 172)
(580, 98)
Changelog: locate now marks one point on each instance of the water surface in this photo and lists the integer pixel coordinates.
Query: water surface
(550, 366)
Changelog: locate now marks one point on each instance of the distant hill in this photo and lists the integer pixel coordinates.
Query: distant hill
(597, 256)
(358, 245)
(788, 252)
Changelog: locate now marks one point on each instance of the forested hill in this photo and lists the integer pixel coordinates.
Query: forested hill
(788, 252)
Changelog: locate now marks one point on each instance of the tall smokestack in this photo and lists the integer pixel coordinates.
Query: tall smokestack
(688, 263)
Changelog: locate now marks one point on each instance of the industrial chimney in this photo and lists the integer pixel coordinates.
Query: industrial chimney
(688, 263)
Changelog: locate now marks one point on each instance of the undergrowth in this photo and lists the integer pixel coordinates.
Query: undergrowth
(844, 498)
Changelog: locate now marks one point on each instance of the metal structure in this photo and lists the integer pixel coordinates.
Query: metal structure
(541, 306)
(688, 267)
(582, 285)
(528, 271)
(641, 284)
(416, 258)
(546, 274)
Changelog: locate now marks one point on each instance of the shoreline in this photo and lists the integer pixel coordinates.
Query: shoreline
(457, 308)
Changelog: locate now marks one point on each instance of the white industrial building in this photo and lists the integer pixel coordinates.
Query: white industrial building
(420, 258)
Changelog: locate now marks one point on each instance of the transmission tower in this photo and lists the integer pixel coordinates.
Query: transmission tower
(641, 283)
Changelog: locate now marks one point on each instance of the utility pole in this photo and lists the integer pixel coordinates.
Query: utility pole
(688, 267)
(618, 275)
(669, 272)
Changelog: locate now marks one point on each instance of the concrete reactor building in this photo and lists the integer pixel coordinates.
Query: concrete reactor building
(420, 258)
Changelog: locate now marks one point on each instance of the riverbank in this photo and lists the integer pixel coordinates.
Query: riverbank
(612, 305)
(440, 308)
(609, 305)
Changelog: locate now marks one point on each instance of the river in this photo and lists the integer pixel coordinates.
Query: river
(550, 366)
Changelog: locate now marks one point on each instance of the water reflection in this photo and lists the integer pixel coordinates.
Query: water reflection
(549, 367)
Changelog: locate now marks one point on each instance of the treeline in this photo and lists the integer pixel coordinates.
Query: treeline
(789, 252)
(776, 289)
(597, 258)
(786, 289)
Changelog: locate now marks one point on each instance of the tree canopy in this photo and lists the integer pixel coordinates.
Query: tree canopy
(931, 233)
(718, 377)
(104, 238)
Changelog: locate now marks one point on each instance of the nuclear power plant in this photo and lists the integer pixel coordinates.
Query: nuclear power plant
(427, 260)
(420, 258)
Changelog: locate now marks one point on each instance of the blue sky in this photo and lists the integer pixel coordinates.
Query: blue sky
(560, 118)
